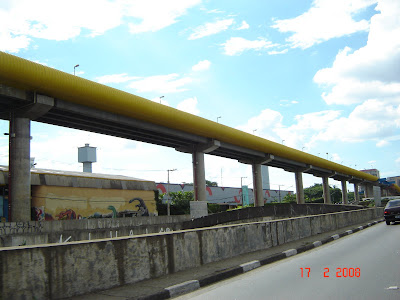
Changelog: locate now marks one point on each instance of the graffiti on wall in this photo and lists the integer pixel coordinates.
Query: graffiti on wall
(70, 214)
(39, 213)
(20, 227)
(142, 208)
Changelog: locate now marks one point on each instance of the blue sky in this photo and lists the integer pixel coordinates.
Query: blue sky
(320, 76)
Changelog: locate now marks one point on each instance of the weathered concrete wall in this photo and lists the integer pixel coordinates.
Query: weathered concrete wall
(43, 232)
(64, 270)
(259, 213)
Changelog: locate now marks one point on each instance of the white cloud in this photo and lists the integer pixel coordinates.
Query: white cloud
(382, 143)
(156, 14)
(210, 29)
(161, 84)
(274, 52)
(13, 43)
(369, 121)
(189, 105)
(22, 20)
(202, 65)
(336, 157)
(115, 78)
(287, 103)
(325, 20)
(57, 20)
(171, 83)
(346, 91)
(237, 45)
(305, 131)
(371, 72)
(59, 151)
(266, 124)
(215, 11)
(243, 26)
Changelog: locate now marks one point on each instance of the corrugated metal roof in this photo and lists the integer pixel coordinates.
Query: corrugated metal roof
(79, 174)
(82, 180)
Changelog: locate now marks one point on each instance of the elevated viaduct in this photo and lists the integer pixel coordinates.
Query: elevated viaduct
(30, 91)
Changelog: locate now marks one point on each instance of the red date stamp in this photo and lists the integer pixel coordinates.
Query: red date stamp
(340, 272)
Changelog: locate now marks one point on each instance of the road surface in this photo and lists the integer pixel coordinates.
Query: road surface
(363, 265)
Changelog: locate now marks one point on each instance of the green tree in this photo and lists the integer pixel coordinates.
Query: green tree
(179, 203)
(289, 198)
(350, 197)
(336, 194)
(315, 194)
(211, 183)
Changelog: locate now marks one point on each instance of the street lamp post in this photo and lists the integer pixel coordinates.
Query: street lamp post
(161, 98)
(282, 141)
(279, 185)
(168, 200)
(218, 118)
(75, 67)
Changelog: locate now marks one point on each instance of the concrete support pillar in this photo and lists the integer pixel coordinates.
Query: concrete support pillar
(344, 192)
(257, 185)
(199, 176)
(19, 179)
(327, 194)
(356, 194)
(299, 187)
(377, 195)
(369, 191)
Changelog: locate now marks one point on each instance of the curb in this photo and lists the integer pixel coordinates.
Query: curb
(192, 285)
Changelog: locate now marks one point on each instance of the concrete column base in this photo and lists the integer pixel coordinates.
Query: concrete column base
(344, 192)
(299, 187)
(199, 177)
(327, 194)
(198, 209)
(377, 195)
(19, 182)
(356, 194)
(257, 186)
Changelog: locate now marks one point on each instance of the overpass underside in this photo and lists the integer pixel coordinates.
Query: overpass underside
(21, 106)
(30, 91)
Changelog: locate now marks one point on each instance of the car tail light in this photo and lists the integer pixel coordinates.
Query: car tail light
(387, 212)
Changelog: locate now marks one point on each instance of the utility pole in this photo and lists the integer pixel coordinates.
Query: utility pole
(279, 192)
(241, 186)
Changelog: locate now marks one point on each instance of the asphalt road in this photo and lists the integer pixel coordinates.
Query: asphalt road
(367, 261)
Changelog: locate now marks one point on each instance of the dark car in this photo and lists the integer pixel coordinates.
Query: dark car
(392, 211)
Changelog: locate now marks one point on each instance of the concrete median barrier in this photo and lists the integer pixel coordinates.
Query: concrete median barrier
(57, 271)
